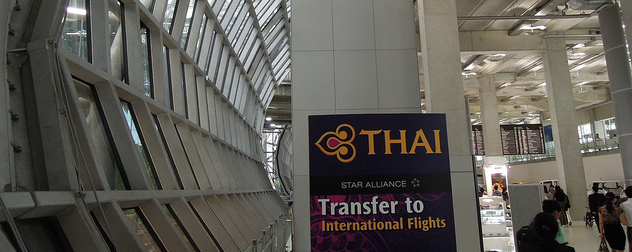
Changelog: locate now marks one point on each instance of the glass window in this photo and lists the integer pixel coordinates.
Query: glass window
(44, 234)
(102, 229)
(228, 80)
(75, 36)
(117, 41)
(187, 24)
(183, 144)
(177, 225)
(167, 75)
(198, 45)
(208, 231)
(221, 71)
(254, 52)
(213, 55)
(9, 234)
(184, 90)
(138, 140)
(234, 23)
(245, 32)
(144, 231)
(146, 54)
(169, 13)
(222, 12)
(266, 15)
(610, 127)
(105, 154)
(149, 4)
(171, 163)
(585, 133)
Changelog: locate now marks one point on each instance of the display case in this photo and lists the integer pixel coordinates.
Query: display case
(492, 211)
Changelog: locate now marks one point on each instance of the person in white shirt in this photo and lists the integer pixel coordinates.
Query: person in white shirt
(627, 209)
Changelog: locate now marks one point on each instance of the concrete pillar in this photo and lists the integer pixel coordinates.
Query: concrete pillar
(626, 12)
(491, 127)
(570, 168)
(444, 94)
(489, 115)
(620, 82)
(7, 175)
(348, 56)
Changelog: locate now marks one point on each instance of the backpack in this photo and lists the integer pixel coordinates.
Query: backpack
(527, 240)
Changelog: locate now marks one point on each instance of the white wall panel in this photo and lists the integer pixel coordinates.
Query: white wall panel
(314, 71)
(396, 13)
(352, 25)
(356, 84)
(390, 72)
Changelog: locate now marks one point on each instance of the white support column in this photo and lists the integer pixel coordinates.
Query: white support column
(348, 56)
(626, 12)
(570, 168)
(620, 82)
(489, 115)
(445, 94)
(492, 140)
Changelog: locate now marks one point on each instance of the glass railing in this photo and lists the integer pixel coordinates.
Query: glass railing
(600, 145)
(597, 147)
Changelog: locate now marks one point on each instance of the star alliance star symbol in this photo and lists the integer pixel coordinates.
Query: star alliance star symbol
(415, 182)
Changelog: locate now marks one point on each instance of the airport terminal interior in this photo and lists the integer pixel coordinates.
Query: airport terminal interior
(170, 125)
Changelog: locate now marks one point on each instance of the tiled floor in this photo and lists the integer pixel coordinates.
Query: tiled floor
(581, 237)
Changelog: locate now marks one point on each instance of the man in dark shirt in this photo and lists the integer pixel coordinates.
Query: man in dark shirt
(595, 200)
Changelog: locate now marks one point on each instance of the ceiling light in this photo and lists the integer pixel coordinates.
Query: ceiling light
(577, 68)
(582, 83)
(268, 119)
(581, 90)
(467, 73)
(580, 45)
(73, 10)
(499, 55)
(530, 27)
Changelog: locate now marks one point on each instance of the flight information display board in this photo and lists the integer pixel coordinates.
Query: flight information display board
(477, 140)
(517, 139)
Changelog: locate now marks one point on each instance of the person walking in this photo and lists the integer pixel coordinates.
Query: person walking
(626, 204)
(562, 199)
(595, 200)
(611, 217)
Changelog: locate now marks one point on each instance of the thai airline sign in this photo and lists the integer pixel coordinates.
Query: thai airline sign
(380, 182)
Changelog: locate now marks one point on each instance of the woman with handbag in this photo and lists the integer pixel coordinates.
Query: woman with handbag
(610, 218)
